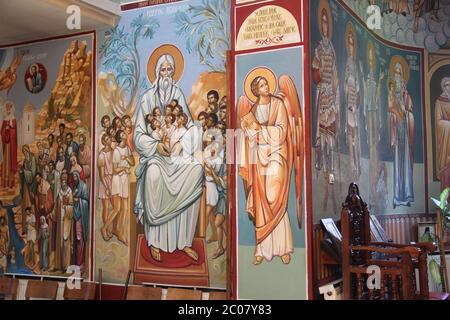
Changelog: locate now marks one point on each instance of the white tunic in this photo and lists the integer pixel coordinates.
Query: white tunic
(121, 181)
(215, 162)
(168, 193)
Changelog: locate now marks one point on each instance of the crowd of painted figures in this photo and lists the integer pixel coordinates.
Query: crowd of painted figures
(214, 124)
(54, 193)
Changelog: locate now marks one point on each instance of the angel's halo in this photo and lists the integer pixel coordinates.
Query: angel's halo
(265, 72)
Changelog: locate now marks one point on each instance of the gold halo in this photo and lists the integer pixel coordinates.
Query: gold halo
(371, 47)
(34, 65)
(259, 72)
(157, 53)
(404, 64)
(351, 30)
(324, 5)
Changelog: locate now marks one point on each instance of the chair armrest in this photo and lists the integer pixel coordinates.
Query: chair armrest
(412, 251)
(425, 246)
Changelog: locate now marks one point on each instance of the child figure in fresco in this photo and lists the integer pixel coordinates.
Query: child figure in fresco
(215, 185)
(177, 134)
(169, 109)
(177, 111)
(44, 237)
(174, 103)
(169, 127)
(157, 114)
(30, 250)
(148, 121)
(158, 133)
(398, 110)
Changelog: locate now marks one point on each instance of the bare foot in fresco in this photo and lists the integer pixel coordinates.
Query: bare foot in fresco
(258, 260)
(191, 253)
(156, 254)
(213, 238)
(105, 234)
(286, 258)
(123, 240)
(218, 253)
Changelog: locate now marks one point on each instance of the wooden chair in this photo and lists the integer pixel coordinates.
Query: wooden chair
(396, 261)
(86, 292)
(41, 290)
(140, 292)
(183, 294)
(218, 295)
(8, 288)
(144, 293)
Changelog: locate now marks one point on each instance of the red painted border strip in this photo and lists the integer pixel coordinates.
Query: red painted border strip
(93, 154)
(308, 180)
(233, 204)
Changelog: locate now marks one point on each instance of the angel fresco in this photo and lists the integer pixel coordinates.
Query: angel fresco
(272, 144)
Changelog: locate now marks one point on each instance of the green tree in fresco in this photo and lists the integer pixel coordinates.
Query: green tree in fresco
(206, 29)
(120, 54)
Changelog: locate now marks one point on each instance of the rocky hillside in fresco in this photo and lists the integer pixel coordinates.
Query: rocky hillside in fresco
(70, 99)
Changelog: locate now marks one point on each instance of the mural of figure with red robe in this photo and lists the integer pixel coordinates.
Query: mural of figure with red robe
(43, 199)
(9, 141)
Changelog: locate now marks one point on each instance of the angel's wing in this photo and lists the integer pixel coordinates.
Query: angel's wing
(288, 92)
(244, 106)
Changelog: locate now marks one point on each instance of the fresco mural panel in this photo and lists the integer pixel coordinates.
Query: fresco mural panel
(376, 111)
(162, 116)
(46, 170)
